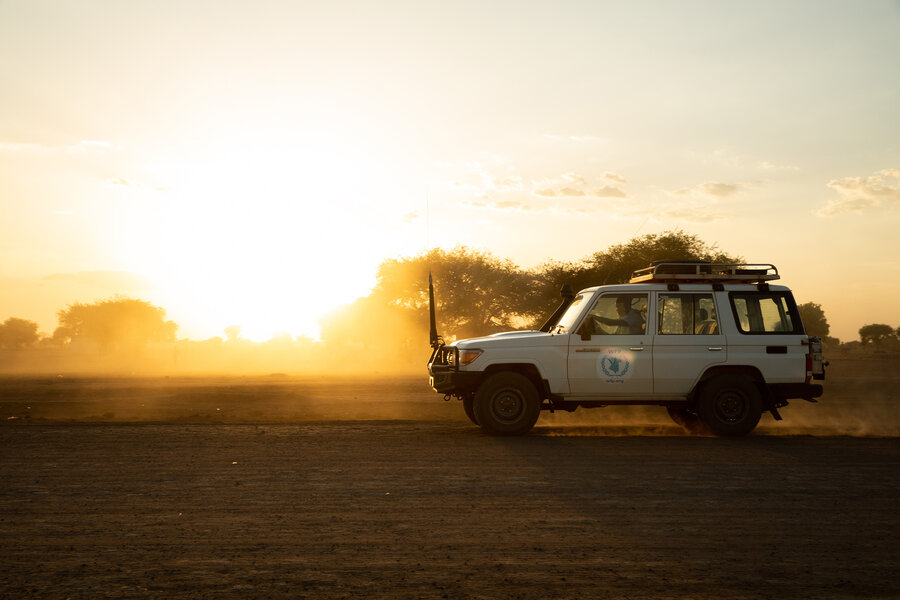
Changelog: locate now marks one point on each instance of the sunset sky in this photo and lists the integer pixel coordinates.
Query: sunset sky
(252, 163)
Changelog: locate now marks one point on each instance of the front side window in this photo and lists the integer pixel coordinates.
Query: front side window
(762, 313)
(568, 319)
(617, 314)
(687, 314)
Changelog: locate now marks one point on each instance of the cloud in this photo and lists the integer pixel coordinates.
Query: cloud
(110, 280)
(715, 189)
(574, 178)
(568, 192)
(609, 191)
(861, 194)
(694, 214)
(565, 192)
(697, 204)
(485, 202)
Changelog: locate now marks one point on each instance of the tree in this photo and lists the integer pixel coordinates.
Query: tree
(814, 320)
(117, 322)
(16, 334)
(233, 333)
(617, 263)
(877, 334)
(476, 293)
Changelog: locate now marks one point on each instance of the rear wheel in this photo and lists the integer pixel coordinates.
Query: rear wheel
(469, 407)
(730, 405)
(507, 403)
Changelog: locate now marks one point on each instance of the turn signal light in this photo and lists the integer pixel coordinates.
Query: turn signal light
(467, 356)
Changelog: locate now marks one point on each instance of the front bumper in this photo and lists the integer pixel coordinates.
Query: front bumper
(453, 382)
(445, 376)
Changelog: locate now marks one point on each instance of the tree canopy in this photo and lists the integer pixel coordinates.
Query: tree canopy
(814, 320)
(877, 334)
(477, 293)
(618, 262)
(115, 322)
(16, 333)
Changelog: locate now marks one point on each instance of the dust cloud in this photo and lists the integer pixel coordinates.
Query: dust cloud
(860, 400)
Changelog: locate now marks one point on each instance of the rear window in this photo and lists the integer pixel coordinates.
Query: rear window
(765, 313)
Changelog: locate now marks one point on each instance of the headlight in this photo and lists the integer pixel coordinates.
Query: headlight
(468, 355)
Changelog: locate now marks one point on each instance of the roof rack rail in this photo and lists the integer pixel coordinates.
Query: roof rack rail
(666, 271)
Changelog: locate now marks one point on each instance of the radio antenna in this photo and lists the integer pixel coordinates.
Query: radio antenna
(433, 337)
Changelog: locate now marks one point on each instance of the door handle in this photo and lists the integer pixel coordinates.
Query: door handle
(715, 348)
(641, 349)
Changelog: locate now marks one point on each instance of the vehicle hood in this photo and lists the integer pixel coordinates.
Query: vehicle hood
(507, 339)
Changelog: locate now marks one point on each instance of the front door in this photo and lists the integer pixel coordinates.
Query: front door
(616, 358)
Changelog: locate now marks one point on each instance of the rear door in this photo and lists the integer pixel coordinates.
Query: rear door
(687, 341)
(770, 334)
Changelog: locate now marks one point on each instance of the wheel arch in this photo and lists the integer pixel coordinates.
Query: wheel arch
(529, 370)
(750, 372)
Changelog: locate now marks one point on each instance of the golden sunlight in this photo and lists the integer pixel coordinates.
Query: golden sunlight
(261, 235)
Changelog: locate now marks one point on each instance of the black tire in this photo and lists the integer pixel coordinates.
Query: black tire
(688, 420)
(730, 405)
(507, 403)
(469, 407)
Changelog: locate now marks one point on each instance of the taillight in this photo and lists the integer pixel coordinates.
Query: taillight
(809, 368)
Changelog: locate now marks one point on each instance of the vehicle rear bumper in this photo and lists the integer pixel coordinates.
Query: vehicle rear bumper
(787, 391)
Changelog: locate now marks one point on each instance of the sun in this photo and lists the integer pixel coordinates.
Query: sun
(269, 236)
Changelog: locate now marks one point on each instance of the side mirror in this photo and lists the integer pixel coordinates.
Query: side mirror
(586, 329)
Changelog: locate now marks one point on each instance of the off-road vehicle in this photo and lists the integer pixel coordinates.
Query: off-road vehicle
(716, 344)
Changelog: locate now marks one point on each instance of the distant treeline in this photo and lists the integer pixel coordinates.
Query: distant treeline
(476, 294)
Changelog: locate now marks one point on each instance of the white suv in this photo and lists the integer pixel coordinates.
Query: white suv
(716, 344)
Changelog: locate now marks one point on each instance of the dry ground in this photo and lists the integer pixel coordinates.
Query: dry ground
(341, 487)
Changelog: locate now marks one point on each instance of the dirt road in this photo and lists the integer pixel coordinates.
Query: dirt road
(345, 488)
(431, 509)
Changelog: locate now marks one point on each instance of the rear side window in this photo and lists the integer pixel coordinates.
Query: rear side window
(765, 313)
(687, 314)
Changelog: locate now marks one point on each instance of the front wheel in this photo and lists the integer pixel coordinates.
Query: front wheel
(730, 405)
(469, 406)
(507, 403)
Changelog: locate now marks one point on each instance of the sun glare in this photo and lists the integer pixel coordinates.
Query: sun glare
(261, 236)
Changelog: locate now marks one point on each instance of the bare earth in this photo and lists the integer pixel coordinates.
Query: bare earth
(339, 488)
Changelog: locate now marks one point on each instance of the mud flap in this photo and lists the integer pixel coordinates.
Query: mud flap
(770, 403)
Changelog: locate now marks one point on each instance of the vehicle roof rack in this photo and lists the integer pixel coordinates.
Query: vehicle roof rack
(675, 271)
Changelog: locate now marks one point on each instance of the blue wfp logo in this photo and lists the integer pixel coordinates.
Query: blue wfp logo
(615, 365)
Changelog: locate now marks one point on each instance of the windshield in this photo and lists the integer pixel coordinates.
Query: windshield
(568, 319)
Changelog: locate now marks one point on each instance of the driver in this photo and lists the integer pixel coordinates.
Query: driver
(629, 322)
